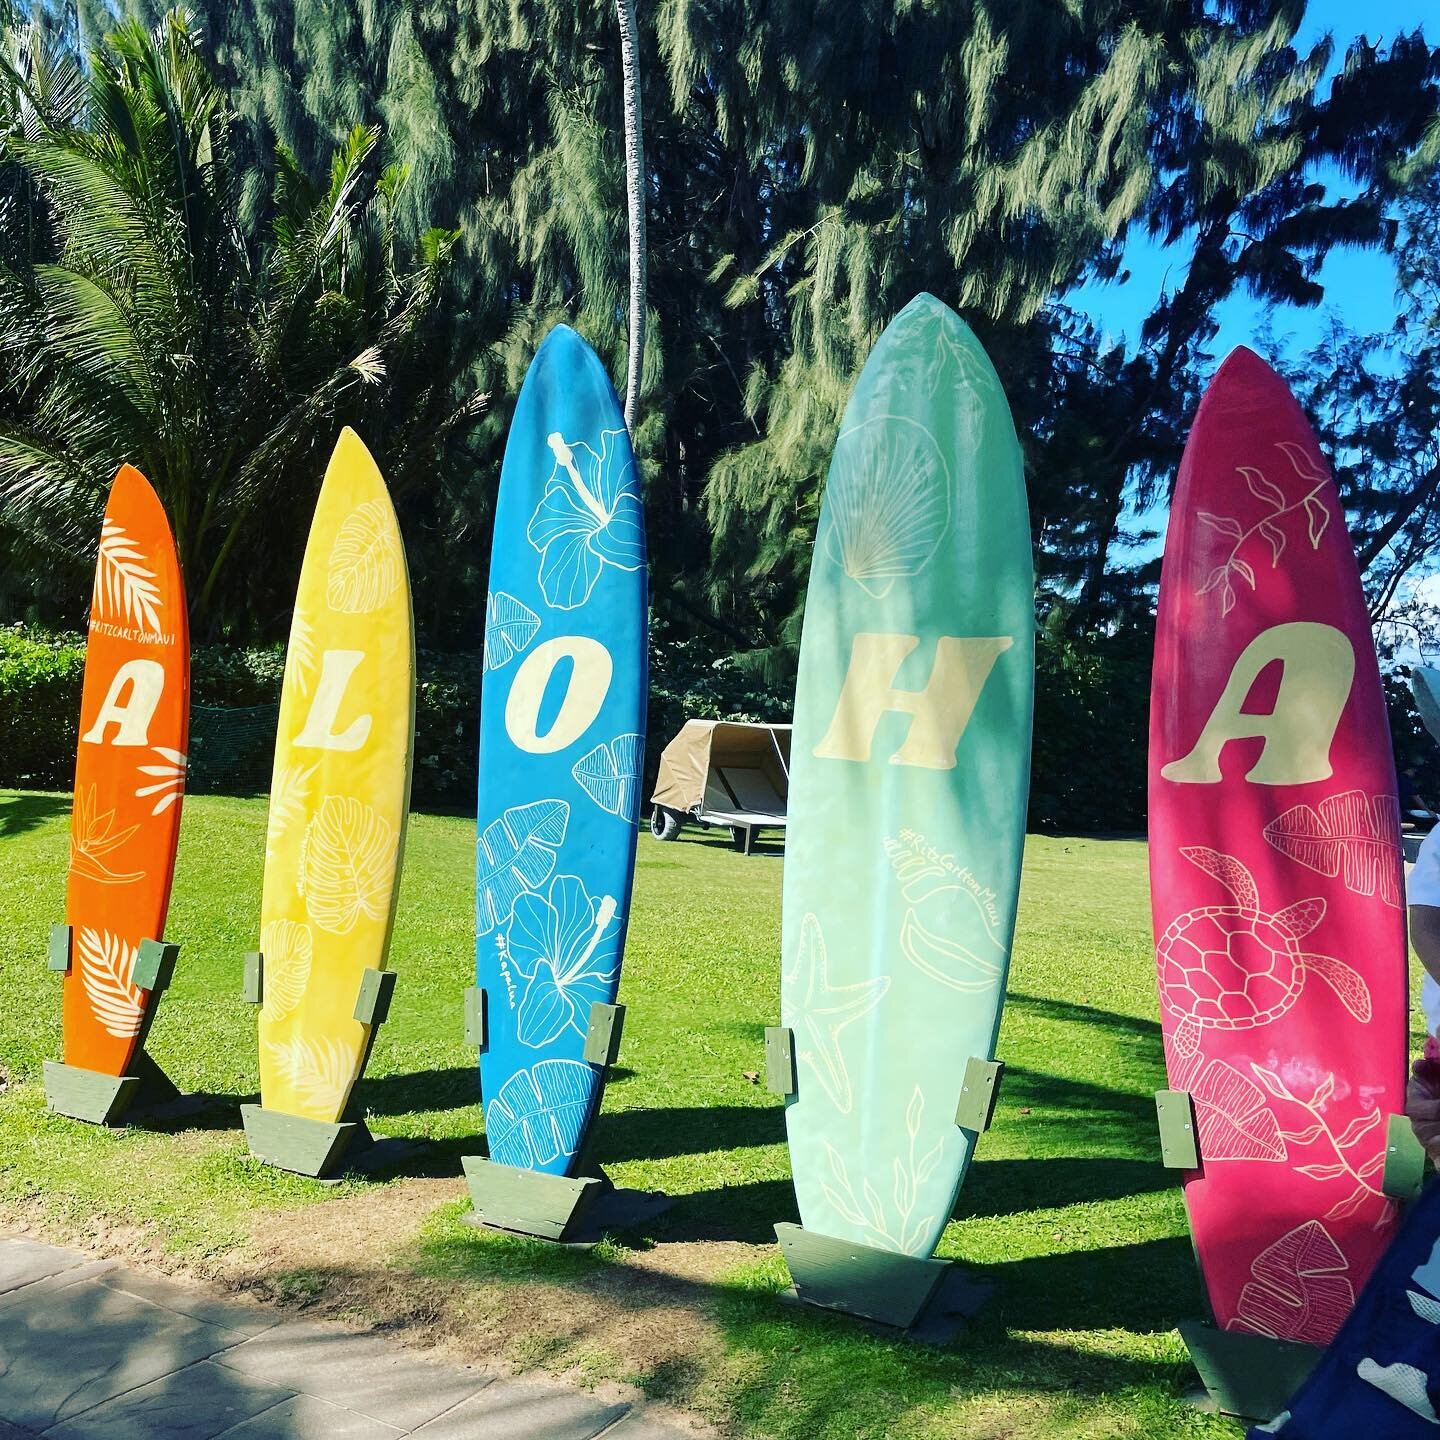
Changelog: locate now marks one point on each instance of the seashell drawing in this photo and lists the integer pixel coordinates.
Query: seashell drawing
(106, 963)
(610, 775)
(125, 588)
(510, 626)
(347, 865)
(517, 853)
(537, 1115)
(888, 501)
(366, 564)
(286, 946)
(318, 1071)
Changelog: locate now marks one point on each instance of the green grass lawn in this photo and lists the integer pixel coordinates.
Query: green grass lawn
(1066, 1209)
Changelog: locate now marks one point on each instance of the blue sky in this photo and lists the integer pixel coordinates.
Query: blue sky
(1360, 286)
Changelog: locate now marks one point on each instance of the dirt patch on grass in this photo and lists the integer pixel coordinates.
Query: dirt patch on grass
(644, 1317)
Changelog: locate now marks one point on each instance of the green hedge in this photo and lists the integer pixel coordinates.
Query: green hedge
(1091, 714)
(235, 692)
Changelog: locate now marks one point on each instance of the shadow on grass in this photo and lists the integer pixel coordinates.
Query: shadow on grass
(1145, 1288)
(19, 813)
(1014, 1187)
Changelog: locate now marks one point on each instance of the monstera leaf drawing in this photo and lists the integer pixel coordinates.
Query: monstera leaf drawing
(319, 1072)
(287, 948)
(1350, 834)
(125, 588)
(347, 865)
(517, 853)
(1297, 1289)
(366, 563)
(610, 775)
(589, 517)
(510, 626)
(1233, 1116)
(537, 1115)
(106, 964)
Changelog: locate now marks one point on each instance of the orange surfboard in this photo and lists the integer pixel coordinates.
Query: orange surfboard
(129, 775)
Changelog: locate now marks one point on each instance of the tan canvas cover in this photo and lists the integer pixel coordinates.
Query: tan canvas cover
(754, 757)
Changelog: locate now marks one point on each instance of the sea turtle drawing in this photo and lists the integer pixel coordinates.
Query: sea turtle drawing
(1233, 967)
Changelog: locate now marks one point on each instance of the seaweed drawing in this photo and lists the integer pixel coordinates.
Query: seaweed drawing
(896, 1227)
(1270, 527)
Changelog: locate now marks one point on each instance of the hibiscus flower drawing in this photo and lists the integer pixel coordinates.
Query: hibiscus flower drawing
(564, 945)
(589, 517)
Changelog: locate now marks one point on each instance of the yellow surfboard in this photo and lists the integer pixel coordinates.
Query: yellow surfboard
(340, 793)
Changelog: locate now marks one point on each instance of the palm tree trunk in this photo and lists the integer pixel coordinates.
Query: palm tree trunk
(635, 194)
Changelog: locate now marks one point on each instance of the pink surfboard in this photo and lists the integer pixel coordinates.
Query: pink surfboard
(1275, 868)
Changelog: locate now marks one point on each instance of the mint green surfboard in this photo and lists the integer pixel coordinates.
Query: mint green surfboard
(909, 779)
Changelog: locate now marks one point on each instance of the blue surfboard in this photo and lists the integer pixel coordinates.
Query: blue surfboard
(562, 743)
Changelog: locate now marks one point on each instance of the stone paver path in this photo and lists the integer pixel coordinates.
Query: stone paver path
(92, 1351)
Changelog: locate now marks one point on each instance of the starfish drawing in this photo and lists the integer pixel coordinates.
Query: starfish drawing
(823, 1010)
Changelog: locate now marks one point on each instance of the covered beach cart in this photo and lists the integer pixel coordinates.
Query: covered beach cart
(729, 773)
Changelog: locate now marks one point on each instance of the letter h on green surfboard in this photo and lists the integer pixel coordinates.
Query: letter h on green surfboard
(910, 777)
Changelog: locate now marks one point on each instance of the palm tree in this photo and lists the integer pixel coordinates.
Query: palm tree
(635, 196)
(155, 333)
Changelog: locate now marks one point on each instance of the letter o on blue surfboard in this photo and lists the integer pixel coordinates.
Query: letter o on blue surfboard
(562, 744)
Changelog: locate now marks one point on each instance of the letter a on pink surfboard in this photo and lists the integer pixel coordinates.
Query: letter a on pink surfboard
(1275, 868)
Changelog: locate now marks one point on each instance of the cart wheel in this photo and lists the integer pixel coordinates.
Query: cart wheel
(664, 824)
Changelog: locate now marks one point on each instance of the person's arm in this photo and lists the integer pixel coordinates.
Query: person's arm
(1425, 937)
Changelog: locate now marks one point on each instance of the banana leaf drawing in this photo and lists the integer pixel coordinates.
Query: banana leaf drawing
(537, 1115)
(1352, 835)
(1297, 1288)
(1233, 1116)
(589, 517)
(610, 775)
(517, 853)
(510, 626)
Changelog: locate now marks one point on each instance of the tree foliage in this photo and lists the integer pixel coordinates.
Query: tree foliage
(140, 323)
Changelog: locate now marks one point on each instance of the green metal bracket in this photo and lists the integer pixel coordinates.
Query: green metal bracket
(58, 958)
(372, 1005)
(252, 985)
(602, 1037)
(155, 965)
(879, 1285)
(87, 1094)
(978, 1092)
(1404, 1171)
(528, 1201)
(475, 1016)
(1248, 1375)
(291, 1142)
(1179, 1144)
(780, 1060)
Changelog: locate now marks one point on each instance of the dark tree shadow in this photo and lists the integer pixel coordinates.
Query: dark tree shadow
(19, 813)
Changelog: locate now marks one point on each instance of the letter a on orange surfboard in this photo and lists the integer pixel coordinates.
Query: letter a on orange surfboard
(129, 775)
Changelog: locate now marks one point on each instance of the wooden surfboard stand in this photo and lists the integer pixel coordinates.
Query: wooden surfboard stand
(320, 1148)
(568, 1209)
(930, 1299)
(1248, 1375)
(91, 1095)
